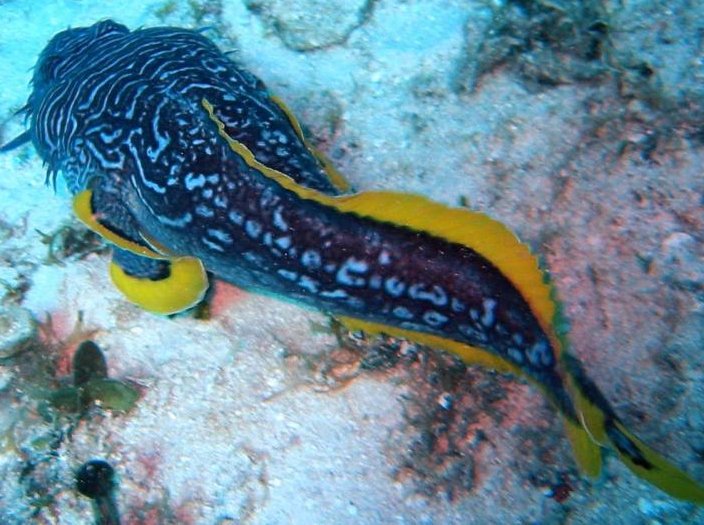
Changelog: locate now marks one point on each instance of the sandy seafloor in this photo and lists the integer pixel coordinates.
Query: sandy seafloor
(581, 130)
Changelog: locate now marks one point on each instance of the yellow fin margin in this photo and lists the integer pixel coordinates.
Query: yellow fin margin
(486, 236)
(469, 354)
(587, 453)
(183, 288)
(83, 208)
(336, 178)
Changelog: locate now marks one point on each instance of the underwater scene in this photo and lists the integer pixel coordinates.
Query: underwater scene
(352, 262)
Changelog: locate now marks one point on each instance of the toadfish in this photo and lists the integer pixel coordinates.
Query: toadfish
(185, 162)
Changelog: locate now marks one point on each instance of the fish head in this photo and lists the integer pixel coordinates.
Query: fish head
(63, 53)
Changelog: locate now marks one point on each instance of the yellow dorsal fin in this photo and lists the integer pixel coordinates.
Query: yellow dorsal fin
(486, 236)
(289, 115)
(83, 208)
(336, 178)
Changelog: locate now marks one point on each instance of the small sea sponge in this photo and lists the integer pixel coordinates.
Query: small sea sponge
(91, 384)
(111, 394)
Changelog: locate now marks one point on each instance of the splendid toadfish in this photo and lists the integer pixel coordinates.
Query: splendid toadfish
(185, 162)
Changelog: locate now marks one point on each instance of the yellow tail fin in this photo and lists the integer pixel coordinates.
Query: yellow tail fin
(603, 427)
(586, 451)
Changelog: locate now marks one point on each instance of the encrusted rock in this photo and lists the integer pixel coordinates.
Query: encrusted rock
(16, 328)
(305, 26)
(682, 261)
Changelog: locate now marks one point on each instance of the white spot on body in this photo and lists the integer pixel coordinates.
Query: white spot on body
(254, 258)
(194, 181)
(539, 354)
(348, 274)
(435, 295)
(236, 217)
(394, 286)
(279, 221)
(472, 333)
(311, 259)
(253, 228)
(212, 245)
(283, 242)
(220, 200)
(402, 312)
(515, 354)
(334, 294)
(287, 274)
(434, 318)
(220, 235)
(204, 211)
(309, 284)
(179, 222)
(488, 318)
(384, 258)
(457, 305)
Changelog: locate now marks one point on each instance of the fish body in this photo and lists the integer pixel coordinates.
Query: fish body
(186, 162)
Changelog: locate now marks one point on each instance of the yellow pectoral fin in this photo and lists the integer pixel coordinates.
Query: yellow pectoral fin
(83, 208)
(183, 287)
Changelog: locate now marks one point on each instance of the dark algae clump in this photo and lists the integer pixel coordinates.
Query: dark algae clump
(95, 479)
(92, 385)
